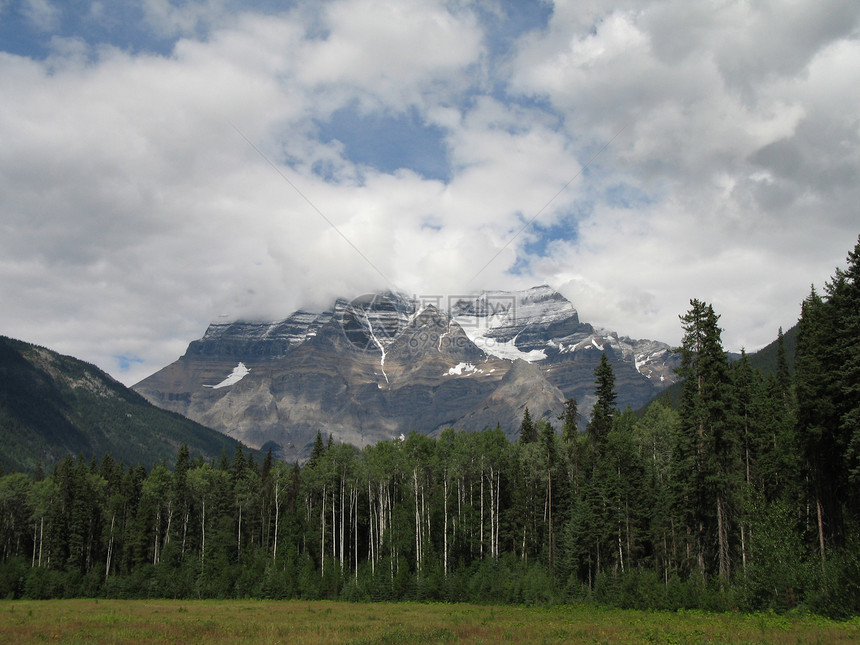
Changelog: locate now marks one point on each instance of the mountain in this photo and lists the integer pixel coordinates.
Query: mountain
(384, 364)
(765, 359)
(52, 405)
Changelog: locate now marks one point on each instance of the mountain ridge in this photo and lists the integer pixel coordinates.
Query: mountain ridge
(384, 364)
(52, 405)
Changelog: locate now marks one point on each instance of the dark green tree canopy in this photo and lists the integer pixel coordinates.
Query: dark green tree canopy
(569, 419)
(528, 429)
(604, 408)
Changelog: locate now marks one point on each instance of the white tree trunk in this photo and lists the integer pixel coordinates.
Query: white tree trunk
(157, 536)
(342, 523)
(277, 518)
(203, 531)
(322, 534)
(239, 537)
(445, 531)
(110, 547)
(417, 521)
(820, 528)
(41, 537)
(481, 534)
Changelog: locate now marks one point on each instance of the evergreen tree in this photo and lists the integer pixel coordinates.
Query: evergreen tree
(569, 419)
(528, 429)
(589, 534)
(604, 409)
(14, 516)
(237, 468)
(317, 451)
(783, 373)
(848, 313)
(705, 448)
(246, 497)
(818, 420)
(266, 468)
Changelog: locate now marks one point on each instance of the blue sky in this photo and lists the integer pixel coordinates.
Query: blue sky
(388, 142)
(28, 28)
(166, 163)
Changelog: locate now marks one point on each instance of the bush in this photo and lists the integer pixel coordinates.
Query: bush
(777, 575)
(838, 594)
(13, 574)
(537, 586)
(279, 581)
(44, 584)
(642, 589)
(249, 583)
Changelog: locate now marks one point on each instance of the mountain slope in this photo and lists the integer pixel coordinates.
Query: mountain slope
(52, 405)
(384, 364)
(765, 359)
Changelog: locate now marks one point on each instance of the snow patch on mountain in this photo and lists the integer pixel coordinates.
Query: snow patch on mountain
(495, 320)
(460, 368)
(507, 350)
(378, 344)
(239, 372)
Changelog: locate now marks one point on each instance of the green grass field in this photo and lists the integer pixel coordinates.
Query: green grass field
(175, 621)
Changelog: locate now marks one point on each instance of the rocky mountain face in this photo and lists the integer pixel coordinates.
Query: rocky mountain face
(386, 364)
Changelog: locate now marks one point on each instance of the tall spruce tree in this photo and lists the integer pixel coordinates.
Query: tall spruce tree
(817, 418)
(318, 450)
(568, 418)
(848, 339)
(706, 444)
(604, 408)
(528, 429)
(592, 513)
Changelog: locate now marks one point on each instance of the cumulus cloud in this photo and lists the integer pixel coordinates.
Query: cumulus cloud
(738, 132)
(147, 191)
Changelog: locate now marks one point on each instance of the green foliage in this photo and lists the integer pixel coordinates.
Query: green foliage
(528, 429)
(778, 576)
(837, 594)
(604, 408)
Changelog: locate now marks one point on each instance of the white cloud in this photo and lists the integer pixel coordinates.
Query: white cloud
(169, 19)
(740, 131)
(133, 210)
(393, 52)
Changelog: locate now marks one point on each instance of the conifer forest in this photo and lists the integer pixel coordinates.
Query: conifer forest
(743, 492)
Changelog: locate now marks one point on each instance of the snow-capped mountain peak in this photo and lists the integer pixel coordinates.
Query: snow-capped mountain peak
(380, 365)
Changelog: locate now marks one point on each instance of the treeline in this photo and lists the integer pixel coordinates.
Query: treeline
(745, 496)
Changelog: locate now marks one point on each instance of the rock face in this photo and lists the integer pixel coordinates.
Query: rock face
(383, 365)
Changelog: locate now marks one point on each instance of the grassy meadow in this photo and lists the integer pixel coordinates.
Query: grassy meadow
(174, 621)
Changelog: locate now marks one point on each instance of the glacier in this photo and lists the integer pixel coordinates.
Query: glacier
(239, 372)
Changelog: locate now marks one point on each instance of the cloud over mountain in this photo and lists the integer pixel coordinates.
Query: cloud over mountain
(165, 163)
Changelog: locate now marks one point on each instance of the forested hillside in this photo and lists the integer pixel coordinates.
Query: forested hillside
(52, 405)
(745, 496)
